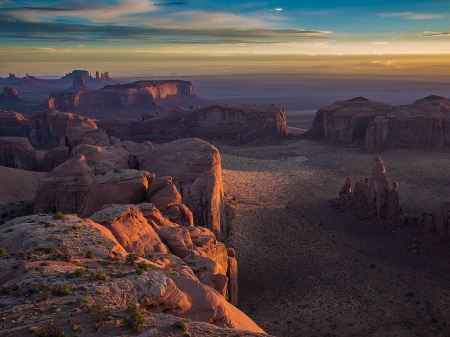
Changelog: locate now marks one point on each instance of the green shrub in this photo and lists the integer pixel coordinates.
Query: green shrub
(50, 250)
(2, 252)
(59, 216)
(182, 324)
(60, 289)
(131, 258)
(135, 320)
(89, 254)
(99, 275)
(50, 330)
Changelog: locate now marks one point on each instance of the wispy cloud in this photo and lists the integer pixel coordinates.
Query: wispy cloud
(434, 34)
(49, 50)
(411, 15)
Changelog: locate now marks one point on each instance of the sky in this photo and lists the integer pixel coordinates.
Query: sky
(139, 37)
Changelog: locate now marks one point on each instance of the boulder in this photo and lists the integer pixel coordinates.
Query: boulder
(97, 137)
(157, 185)
(115, 187)
(64, 189)
(166, 197)
(17, 152)
(180, 215)
(54, 157)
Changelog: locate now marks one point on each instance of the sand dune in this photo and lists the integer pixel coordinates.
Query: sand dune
(17, 184)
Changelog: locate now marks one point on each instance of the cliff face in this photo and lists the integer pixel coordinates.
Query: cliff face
(142, 96)
(239, 124)
(13, 124)
(50, 129)
(377, 126)
(17, 152)
(10, 94)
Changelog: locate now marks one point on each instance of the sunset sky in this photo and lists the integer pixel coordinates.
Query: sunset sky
(139, 37)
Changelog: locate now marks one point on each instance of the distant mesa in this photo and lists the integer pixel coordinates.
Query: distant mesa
(104, 77)
(78, 85)
(131, 100)
(29, 81)
(10, 94)
(378, 126)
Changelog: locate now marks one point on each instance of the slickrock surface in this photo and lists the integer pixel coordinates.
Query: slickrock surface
(307, 270)
(62, 274)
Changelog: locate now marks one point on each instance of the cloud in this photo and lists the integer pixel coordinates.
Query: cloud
(411, 15)
(171, 4)
(434, 34)
(49, 50)
(377, 64)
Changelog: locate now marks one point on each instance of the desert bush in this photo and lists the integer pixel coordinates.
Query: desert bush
(99, 275)
(131, 258)
(89, 254)
(181, 324)
(60, 289)
(50, 330)
(59, 216)
(2, 252)
(135, 320)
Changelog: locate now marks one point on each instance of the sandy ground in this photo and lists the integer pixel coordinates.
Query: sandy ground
(306, 270)
(17, 184)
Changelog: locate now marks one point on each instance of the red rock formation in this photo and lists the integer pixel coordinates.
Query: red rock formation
(115, 127)
(377, 126)
(10, 94)
(78, 85)
(54, 158)
(29, 81)
(64, 189)
(195, 167)
(50, 128)
(239, 124)
(143, 97)
(115, 187)
(13, 124)
(17, 152)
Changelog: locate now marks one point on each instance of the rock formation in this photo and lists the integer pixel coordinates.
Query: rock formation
(50, 128)
(133, 99)
(195, 167)
(10, 94)
(54, 158)
(78, 85)
(238, 124)
(72, 252)
(376, 126)
(383, 202)
(17, 152)
(64, 189)
(13, 124)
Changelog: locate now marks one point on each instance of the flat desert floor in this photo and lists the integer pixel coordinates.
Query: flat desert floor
(307, 270)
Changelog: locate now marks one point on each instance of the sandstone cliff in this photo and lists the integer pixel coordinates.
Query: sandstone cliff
(9, 94)
(17, 152)
(238, 124)
(377, 126)
(131, 100)
(13, 124)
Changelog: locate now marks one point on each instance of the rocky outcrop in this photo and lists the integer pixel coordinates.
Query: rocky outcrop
(50, 129)
(17, 152)
(375, 197)
(238, 124)
(134, 99)
(118, 128)
(64, 189)
(160, 283)
(377, 126)
(10, 94)
(13, 124)
(54, 158)
(195, 167)
(105, 158)
(115, 187)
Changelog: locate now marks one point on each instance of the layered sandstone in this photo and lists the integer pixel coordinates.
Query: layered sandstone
(136, 98)
(164, 284)
(377, 126)
(17, 152)
(13, 124)
(238, 124)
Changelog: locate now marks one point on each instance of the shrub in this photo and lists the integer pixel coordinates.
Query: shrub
(59, 216)
(89, 254)
(135, 320)
(131, 258)
(182, 324)
(50, 330)
(2, 252)
(60, 289)
(50, 249)
(99, 275)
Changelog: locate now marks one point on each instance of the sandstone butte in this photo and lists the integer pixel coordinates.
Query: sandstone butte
(170, 218)
(377, 197)
(378, 126)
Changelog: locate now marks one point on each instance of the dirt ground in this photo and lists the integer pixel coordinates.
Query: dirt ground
(307, 270)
